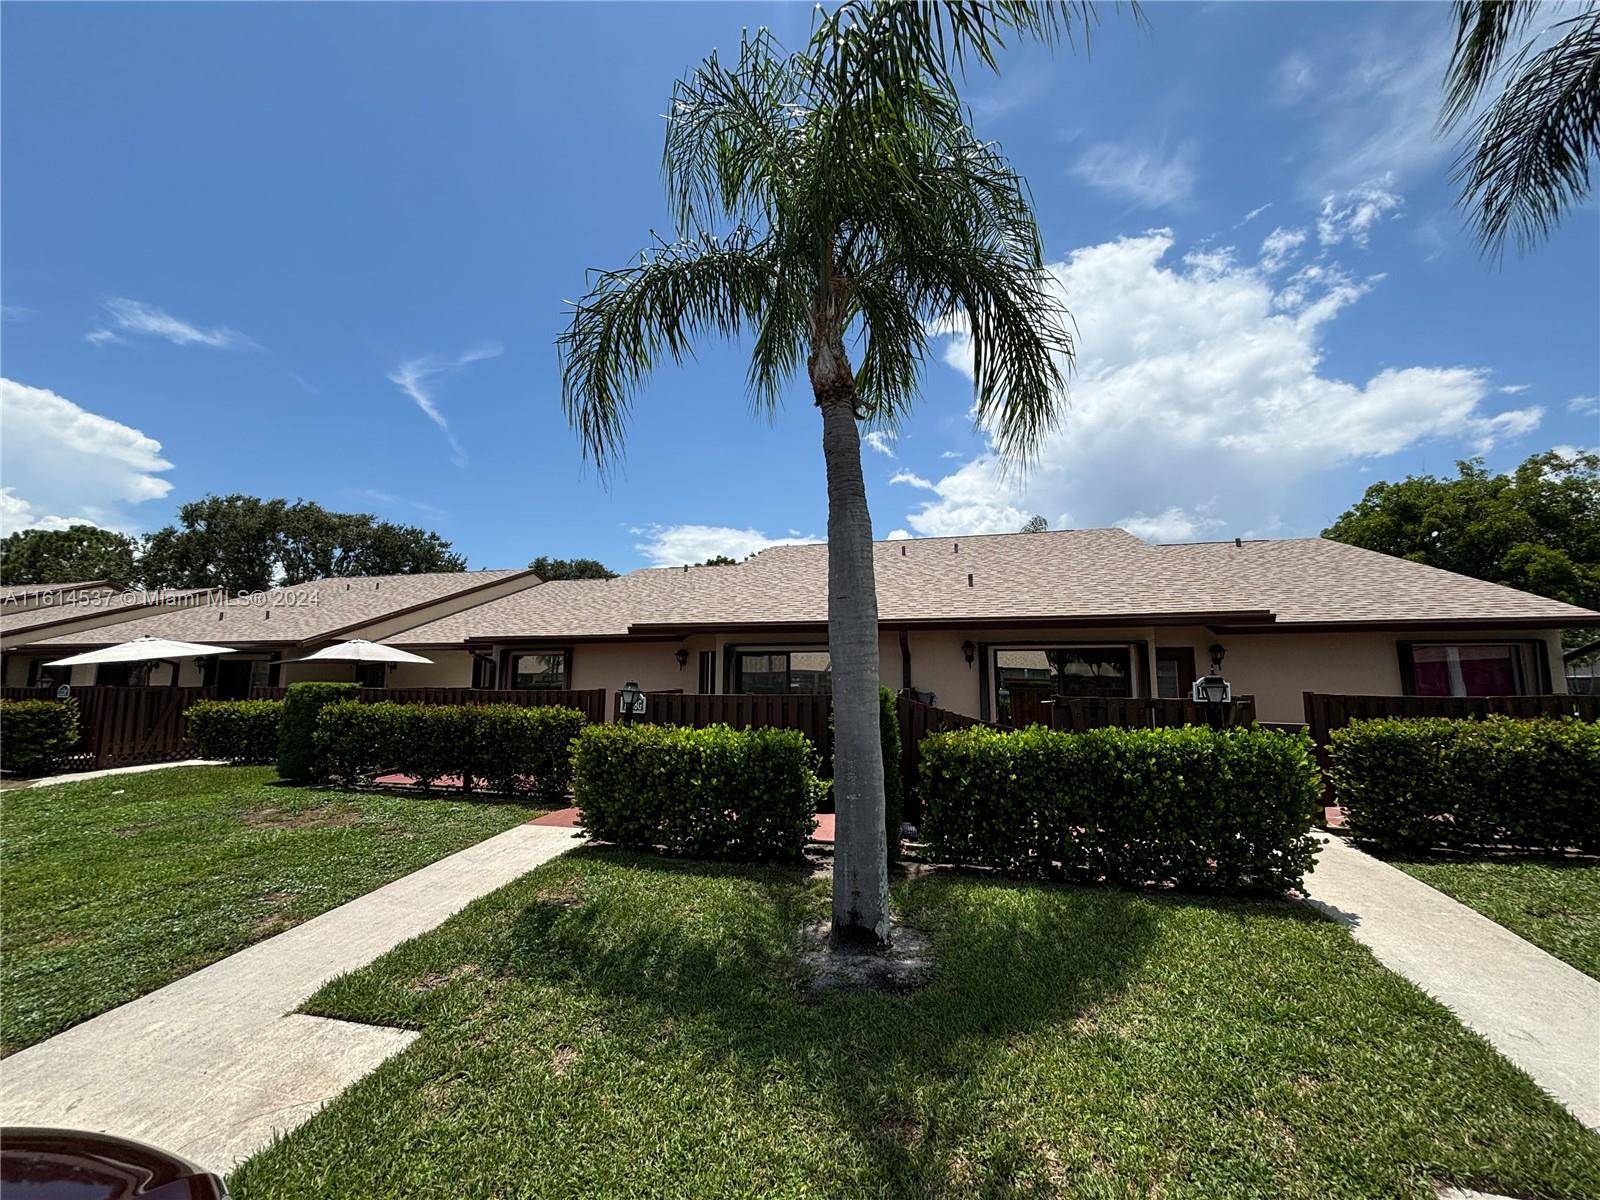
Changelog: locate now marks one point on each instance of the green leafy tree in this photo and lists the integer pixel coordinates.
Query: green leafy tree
(551, 569)
(1536, 528)
(246, 544)
(720, 560)
(75, 555)
(1035, 524)
(1531, 150)
(834, 205)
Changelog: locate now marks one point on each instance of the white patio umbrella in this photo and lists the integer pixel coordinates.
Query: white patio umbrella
(360, 651)
(144, 649)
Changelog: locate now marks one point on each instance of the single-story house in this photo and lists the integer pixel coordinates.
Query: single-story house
(264, 629)
(973, 623)
(971, 620)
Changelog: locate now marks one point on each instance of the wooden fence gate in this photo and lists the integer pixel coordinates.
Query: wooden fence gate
(125, 726)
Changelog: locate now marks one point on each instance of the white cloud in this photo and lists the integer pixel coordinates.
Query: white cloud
(674, 545)
(952, 454)
(412, 376)
(880, 441)
(1515, 389)
(381, 497)
(911, 480)
(1172, 524)
(1584, 405)
(1201, 402)
(1253, 214)
(1293, 79)
(1352, 214)
(135, 316)
(63, 465)
(1279, 246)
(898, 535)
(1143, 176)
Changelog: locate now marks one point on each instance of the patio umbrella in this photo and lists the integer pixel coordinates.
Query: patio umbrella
(142, 649)
(360, 651)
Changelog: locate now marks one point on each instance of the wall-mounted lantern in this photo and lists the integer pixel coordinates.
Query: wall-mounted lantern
(682, 656)
(1218, 653)
(968, 651)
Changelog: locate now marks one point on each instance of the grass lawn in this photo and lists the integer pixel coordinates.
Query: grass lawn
(619, 1026)
(1553, 904)
(115, 886)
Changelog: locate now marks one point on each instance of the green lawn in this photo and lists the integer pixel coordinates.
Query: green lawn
(1555, 905)
(619, 1026)
(115, 886)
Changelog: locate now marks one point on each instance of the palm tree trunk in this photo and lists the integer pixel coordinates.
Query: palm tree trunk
(860, 859)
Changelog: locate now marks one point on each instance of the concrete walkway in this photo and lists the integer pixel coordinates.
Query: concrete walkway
(1536, 1010)
(80, 776)
(210, 1067)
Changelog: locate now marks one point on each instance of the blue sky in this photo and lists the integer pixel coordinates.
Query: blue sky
(321, 251)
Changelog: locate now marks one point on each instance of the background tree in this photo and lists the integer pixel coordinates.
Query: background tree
(1536, 528)
(75, 555)
(1531, 150)
(720, 560)
(1035, 524)
(246, 544)
(550, 569)
(859, 212)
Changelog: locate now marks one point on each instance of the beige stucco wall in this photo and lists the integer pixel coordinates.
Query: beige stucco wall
(449, 669)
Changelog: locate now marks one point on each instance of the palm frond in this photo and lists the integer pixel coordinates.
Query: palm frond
(1534, 147)
(1484, 31)
(633, 317)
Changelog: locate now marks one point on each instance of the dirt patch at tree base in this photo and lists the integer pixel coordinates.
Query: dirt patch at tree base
(905, 965)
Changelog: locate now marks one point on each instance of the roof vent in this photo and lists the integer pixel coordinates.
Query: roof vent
(969, 578)
(902, 551)
(1238, 543)
(956, 549)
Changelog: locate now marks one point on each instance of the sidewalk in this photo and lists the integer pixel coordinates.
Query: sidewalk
(211, 1067)
(1536, 1010)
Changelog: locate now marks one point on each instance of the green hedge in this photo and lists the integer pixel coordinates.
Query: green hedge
(36, 733)
(1193, 807)
(301, 704)
(241, 731)
(1531, 784)
(747, 794)
(516, 751)
(893, 799)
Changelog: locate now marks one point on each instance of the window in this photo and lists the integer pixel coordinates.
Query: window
(1174, 672)
(782, 672)
(371, 675)
(539, 671)
(1061, 671)
(1469, 669)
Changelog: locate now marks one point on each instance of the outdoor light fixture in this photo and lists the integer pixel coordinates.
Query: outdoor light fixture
(1212, 689)
(682, 656)
(968, 650)
(1218, 653)
(630, 701)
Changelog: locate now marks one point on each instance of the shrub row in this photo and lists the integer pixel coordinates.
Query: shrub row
(241, 731)
(1199, 808)
(717, 792)
(298, 722)
(1530, 784)
(515, 751)
(36, 733)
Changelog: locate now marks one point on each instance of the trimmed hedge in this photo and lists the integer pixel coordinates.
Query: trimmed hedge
(745, 794)
(1192, 807)
(1415, 783)
(298, 721)
(516, 751)
(893, 799)
(241, 731)
(36, 733)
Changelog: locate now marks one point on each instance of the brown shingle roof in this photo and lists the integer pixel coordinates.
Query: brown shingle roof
(96, 602)
(20, 591)
(1069, 576)
(308, 612)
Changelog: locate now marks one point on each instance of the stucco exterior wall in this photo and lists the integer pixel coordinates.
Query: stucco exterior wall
(449, 669)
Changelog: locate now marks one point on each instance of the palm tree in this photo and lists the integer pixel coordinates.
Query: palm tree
(1533, 147)
(862, 217)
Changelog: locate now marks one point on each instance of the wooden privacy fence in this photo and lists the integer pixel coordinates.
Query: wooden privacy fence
(124, 726)
(591, 702)
(1325, 713)
(917, 721)
(810, 713)
(1074, 714)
